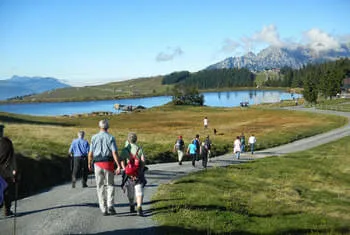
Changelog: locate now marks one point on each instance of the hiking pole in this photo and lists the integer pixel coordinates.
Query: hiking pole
(16, 196)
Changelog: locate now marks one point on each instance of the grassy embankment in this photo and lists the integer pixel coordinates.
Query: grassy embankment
(140, 87)
(342, 105)
(301, 193)
(44, 141)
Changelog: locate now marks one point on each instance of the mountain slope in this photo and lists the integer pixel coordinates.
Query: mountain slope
(21, 86)
(274, 57)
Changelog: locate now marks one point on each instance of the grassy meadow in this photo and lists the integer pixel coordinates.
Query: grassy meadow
(158, 128)
(301, 193)
(42, 143)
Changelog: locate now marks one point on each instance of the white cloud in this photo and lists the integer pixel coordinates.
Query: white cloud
(268, 35)
(230, 46)
(170, 55)
(320, 41)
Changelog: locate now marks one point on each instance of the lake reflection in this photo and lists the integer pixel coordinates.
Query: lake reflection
(215, 99)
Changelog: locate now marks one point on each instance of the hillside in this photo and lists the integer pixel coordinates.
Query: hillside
(151, 86)
(22, 86)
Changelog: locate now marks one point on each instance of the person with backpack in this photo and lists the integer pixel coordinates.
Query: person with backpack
(104, 154)
(208, 147)
(133, 163)
(179, 146)
(192, 151)
(197, 142)
(242, 138)
(204, 154)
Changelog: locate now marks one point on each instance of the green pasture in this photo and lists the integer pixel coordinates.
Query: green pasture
(301, 193)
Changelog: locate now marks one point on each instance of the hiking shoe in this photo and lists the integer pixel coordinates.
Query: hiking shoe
(139, 211)
(8, 212)
(85, 185)
(132, 209)
(73, 184)
(111, 210)
(105, 213)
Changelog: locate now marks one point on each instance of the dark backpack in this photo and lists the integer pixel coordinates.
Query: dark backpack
(196, 142)
(133, 165)
(207, 144)
(179, 144)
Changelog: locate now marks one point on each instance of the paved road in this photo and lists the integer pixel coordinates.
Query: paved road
(63, 210)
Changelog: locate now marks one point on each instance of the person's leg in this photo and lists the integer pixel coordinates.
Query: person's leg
(209, 155)
(180, 155)
(130, 188)
(76, 167)
(84, 171)
(252, 146)
(193, 156)
(100, 187)
(204, 160)
(139, 198)
(238, 155)
(110, 191)
(8, 198)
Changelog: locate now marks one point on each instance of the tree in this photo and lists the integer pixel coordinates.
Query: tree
(310, 91)
(183, 95)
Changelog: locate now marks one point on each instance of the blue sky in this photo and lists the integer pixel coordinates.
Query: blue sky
(85, 42)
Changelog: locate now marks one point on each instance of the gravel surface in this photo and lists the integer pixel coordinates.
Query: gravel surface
(63, 210)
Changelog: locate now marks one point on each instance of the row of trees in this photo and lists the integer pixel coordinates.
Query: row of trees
(317, 80)
(216, 78)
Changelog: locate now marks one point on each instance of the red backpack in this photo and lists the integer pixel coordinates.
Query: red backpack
(132, 168)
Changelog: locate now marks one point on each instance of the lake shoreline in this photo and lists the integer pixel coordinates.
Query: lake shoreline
(64, 100)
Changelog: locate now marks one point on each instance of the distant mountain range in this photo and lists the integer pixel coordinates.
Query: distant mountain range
(275, 57)
(21, 86)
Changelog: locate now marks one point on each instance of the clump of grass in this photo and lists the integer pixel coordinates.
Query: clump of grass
(302, 193)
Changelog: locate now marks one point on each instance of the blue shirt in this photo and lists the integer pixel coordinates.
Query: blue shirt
(102, 146)
(192, 148)
(79, 148)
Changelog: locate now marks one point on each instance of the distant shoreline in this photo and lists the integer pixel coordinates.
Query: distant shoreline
(62, 100)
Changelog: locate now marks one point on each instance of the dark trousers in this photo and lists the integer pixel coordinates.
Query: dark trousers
(80, 164)
(204, 159)
(9, 195)
(193, 157)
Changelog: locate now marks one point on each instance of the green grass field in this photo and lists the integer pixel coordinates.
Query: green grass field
(158, 128)
(301, 193)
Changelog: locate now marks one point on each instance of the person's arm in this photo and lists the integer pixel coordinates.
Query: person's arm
(90, 157)
(117, 161)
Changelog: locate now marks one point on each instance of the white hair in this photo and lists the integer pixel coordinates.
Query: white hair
(103, 124)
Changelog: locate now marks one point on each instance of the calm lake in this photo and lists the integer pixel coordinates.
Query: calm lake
(214, 99)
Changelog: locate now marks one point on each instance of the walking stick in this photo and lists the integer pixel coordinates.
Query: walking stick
(16, 196)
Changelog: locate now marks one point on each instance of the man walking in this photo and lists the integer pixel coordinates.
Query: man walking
(179, 146)
(103, 153)
(252, 141)
(79, 150)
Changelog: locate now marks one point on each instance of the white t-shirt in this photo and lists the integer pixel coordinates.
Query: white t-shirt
(205, 121)
(252, 140)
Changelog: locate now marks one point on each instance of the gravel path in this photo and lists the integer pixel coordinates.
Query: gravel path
(63, 210)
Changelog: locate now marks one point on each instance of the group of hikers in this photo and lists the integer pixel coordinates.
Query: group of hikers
(102, 158)
(197, 149)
